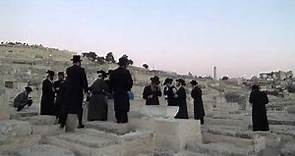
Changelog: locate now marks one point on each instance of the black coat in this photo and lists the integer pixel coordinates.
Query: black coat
(97, 106)
(21, 99)
(57, 87)
(121, 82)
(47, 100)
(181, 102)
(196, 94)
(76, 84)
(60, 99)
(168, 92)
(258, 100)
(155, 93)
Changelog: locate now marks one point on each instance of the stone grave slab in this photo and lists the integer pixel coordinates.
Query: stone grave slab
(172, 134)
(288, 150)
(40, 120)
(44, 150)
(110, 127)
(13, 128)
(88, 140)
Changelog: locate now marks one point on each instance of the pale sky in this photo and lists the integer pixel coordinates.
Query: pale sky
(240, 37)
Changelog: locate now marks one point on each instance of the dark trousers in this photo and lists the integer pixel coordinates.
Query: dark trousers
(21, 106)
(63, 117)
(80, 116)
(122, 117)
(201, 119)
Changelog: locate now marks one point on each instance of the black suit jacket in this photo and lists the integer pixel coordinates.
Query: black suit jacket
(168, 91)
(76, 84)
(47, 99)
(121, 82)
(196, 94)
(155, 93)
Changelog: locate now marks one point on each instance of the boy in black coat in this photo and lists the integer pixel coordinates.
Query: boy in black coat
(196, 94)
(48, 95)
(181, 100)
(152, 92)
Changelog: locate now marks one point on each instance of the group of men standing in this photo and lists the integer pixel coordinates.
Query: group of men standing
(66, 96)
(175, 96)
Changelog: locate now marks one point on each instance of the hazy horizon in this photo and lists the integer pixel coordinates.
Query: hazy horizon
(240, 38)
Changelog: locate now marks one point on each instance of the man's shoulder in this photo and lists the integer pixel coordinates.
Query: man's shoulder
(198, 88)
(71, 67)
(46, 81)
(75, 68)
(116, 71)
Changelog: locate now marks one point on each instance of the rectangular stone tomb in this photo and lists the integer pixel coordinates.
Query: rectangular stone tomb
(174, 134)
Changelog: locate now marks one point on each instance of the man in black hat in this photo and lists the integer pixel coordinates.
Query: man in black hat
(48, 95)
(57, 86)
(181, 100)
(23, 99)
(259, 99)
(98, 106)
(196, 94)
(169, 92)
(121, 82)
(152, 92)
(76, 84)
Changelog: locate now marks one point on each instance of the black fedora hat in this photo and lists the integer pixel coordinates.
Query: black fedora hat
(155, 79)
(28, 89)
(76, 58)
(50, 72)
(181, 81)
(168, 80)
(193, 82)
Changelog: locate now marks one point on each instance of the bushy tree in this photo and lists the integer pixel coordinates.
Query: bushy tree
(130, 62)
(291, 88)
(90, 55)
(110, 58)
(145, 66)
(224, 78)
(100, 60)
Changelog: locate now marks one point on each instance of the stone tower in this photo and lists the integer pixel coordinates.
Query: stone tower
(214, 73)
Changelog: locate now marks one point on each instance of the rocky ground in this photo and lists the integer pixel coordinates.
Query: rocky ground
(29, 134)
(226, 132)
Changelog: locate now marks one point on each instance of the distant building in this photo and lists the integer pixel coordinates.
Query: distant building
(214, 73)
(279, 75)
